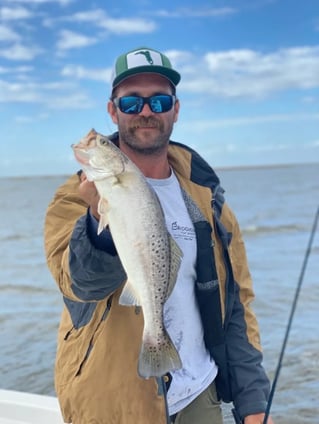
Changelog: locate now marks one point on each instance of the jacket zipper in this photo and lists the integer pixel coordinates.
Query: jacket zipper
(90, 347)
(68, 333)
(217, 234)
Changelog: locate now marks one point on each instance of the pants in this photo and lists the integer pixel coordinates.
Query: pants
(205, 409)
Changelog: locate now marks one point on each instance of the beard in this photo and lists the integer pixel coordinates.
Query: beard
(145, 143)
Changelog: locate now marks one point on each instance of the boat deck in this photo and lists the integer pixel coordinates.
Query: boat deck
(27, 408)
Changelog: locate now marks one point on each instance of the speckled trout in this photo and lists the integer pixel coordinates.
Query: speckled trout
(149, 255)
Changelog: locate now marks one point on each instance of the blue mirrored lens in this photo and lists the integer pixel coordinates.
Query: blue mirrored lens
(134, 104)
(159, 104)
(130, 104)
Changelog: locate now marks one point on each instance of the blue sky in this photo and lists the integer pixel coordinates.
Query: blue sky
(250, 76)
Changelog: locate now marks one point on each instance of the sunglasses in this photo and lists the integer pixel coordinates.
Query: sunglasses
(159, 103)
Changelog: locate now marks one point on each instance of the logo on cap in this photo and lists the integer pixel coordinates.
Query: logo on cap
(147, 56)
(143, 57)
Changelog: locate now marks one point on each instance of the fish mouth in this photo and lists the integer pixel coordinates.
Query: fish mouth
(81, 155)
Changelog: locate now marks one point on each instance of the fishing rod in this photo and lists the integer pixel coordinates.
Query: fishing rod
(293, 308)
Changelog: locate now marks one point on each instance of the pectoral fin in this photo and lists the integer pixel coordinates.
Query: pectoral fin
(102, 210)
(129, 297)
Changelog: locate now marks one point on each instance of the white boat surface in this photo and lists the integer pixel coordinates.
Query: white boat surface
(28, 408)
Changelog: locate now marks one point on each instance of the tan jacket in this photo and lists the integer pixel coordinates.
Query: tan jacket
(96, 376)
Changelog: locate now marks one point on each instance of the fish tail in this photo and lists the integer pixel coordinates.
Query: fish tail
(158, 357)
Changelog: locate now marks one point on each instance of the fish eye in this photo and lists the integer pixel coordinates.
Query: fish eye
(103, 140)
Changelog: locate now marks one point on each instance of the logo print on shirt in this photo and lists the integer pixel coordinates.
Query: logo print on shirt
(182, 232)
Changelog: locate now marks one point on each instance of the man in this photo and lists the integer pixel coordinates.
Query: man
(208, 314)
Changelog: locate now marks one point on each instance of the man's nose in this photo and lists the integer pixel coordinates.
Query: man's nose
(146, 110)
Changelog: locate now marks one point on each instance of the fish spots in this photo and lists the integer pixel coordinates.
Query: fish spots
(158, 246)
(159, 294)
(152, 349)
(159, 249)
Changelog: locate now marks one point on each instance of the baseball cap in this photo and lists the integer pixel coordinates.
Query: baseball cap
(140, 60)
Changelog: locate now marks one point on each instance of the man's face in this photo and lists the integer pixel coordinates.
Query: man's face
(146, 132)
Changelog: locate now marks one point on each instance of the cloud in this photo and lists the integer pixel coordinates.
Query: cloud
(90, 16)
(95, 19)
(8, 34)
(24, 119)
(180, 58)
(19, 93)
(14, 13)
(80, 72)
(53, 95)
(20, 52)
(40, 2)
(99, 19)
(18, 70)
(70, 40)
(128, 26)
(74, 100)
(185, 12)
(252, 74)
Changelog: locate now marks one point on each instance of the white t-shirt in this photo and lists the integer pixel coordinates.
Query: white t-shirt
(181, 315)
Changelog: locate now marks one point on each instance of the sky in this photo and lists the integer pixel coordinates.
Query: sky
(249, 91)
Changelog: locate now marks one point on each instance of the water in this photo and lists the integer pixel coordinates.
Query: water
(275, 208)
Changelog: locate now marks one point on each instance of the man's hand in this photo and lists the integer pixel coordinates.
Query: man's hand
(89, 194)
(257, 419)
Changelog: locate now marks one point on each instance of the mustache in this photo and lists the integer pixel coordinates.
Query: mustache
(144, 121)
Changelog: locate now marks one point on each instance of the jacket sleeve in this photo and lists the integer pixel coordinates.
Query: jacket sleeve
(248, 379)
(95, 268)
(82, 271)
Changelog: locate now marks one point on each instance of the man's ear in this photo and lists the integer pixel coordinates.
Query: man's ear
(176, 109)
(111, 108)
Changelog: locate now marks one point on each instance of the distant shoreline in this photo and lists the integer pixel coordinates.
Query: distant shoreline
(215, 168)
(266, 166)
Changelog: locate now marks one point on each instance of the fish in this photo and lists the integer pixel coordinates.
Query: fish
(150, 256)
